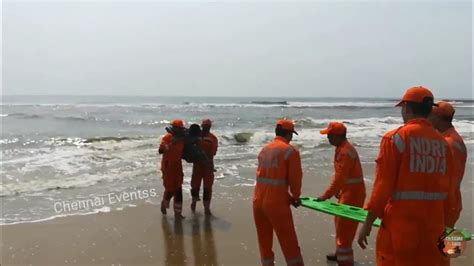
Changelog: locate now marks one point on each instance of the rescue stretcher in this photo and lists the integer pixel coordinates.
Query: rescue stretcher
(351, 212)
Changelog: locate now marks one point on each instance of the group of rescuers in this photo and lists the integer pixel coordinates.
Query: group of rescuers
(416, 190)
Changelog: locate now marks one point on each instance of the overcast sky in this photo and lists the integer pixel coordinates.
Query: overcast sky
(346, 49)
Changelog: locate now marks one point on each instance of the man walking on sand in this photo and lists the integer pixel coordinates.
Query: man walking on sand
(348, 186)
(279, 176)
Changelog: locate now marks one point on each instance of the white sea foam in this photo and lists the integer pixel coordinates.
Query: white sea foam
(64, 151)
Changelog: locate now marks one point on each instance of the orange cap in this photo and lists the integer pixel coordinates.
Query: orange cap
(206, 121)
(334, 128)
(444, 109)
(416, 95)
(287, 125)
(177, 123)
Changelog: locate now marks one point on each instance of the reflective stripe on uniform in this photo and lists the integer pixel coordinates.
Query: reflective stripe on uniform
(355, 180)
(269, 261)
(272, 181)
(459, 146)
(399, 142)
(419, 195)
(288, 153)
(343, 250)
(345, 258)
(294, 260)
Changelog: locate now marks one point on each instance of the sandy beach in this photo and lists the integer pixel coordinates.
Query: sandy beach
(143, 236)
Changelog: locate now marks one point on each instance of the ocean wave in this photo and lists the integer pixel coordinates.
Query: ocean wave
(146, 122)
(10, 221)
(340, 104)
(72, 182)
(289, 104)
(269, 102)
(82, 119)
(93, 140)
(310, 122)
(103, 139)
(308, 128)
(119, 121)
(24, 116)
(9, 141)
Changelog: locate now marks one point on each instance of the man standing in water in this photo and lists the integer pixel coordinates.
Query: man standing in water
(203, 172)
(279, 177)
(171, 146)
(348, 186)
(411, 187)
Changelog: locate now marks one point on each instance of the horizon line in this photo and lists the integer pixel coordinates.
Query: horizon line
(214, 96)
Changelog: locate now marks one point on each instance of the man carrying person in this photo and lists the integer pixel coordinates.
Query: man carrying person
(204, 172)
(171, 147)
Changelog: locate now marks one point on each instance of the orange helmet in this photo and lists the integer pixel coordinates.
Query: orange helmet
(334, 128)
(177, 123)
(416, 95)
(287, 125)
(444, 109)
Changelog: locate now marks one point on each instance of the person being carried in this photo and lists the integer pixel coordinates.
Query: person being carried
(203, 171)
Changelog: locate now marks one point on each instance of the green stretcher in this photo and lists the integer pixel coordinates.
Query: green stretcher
(350, 212)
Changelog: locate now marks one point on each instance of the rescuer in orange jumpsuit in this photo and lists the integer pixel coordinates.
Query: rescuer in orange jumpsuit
(171, 146)
(441, 117)
(278, 185)
(348, 186)
(412, 184)
(202, 172)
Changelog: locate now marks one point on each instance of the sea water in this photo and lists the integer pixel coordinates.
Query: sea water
(76, 153)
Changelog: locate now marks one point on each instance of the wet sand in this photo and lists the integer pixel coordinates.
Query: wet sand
(143, 236)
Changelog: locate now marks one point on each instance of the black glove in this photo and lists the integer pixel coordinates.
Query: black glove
(295, 202)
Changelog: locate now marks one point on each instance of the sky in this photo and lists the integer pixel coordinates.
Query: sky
(237, 48)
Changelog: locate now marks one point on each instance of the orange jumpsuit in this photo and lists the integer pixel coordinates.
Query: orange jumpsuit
(279, 173)
(172, 170)
(410, 193)
(348, 185)
(459, 152)
(201, 172)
